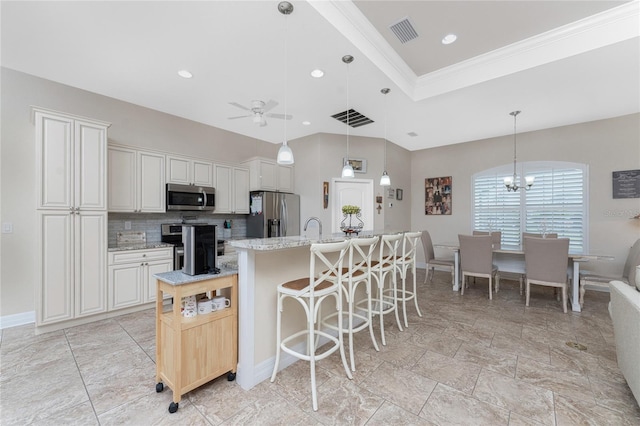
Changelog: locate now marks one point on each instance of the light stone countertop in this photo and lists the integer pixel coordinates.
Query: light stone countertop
(180, 278)
(280, 243)
(139, 246)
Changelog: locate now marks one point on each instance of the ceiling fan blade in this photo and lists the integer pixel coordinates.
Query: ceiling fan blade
(235, 104)
(269, 105)
(240, 116)
(280, 116)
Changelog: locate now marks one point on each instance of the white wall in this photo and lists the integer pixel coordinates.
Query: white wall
(605, 145)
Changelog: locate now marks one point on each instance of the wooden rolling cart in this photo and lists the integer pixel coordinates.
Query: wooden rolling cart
(193, 351)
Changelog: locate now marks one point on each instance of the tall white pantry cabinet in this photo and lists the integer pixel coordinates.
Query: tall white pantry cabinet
(71, 156)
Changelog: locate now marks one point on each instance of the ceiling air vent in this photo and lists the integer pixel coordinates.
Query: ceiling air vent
(355, 118)
(412, 134)
(404, 30)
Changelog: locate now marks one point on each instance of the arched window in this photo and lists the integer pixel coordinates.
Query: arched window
(557, 202)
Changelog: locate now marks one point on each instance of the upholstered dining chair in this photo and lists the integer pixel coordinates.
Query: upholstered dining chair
(432, 261)
(476, 260)
(310, 292)
(546, 262)
(590, 279)
(496, 237)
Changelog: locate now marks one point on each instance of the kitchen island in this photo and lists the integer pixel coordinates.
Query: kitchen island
(263, 264)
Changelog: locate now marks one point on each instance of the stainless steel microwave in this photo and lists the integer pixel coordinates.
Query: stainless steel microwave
(190, 197)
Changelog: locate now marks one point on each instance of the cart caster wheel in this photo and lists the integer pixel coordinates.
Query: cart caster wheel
(159, 387)
(231, 377)
(173, 407)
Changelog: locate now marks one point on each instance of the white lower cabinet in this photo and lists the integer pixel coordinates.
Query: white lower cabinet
(131, 280)
(73, 254)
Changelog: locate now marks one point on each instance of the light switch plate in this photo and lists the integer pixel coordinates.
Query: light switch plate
(7, 227)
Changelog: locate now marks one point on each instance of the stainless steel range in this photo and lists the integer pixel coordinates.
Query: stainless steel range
(172, 233)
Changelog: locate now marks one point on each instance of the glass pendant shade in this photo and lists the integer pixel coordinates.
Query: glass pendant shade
(347, 171)
(385, 180)
(285, 155)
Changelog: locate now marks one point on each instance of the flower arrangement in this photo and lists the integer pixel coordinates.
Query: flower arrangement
(349, 209)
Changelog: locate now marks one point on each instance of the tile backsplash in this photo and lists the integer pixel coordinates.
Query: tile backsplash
(150, 224)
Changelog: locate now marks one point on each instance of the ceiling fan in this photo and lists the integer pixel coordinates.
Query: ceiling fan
(258, 112)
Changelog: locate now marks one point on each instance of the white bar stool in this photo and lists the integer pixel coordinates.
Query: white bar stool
(386, 301)
(357, 272)
(403, 263)
(310, 293)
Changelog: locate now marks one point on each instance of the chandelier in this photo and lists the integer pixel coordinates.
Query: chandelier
(511, 182)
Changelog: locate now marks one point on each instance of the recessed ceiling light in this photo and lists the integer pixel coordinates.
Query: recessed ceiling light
(306, 123)
(449, 38)
(185, 74)
(317, 73)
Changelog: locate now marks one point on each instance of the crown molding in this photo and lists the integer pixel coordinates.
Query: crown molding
(603, 29)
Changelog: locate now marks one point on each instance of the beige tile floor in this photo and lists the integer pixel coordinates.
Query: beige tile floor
(467, 361)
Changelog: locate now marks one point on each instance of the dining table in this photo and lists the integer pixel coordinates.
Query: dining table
(510, 259)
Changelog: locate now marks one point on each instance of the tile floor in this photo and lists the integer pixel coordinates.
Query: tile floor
(467, 361)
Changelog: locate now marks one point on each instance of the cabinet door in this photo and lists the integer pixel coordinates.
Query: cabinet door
(223, 189)
(54, 161)
(91, 263)
(90, 166)
(55, 290)
(241, 190)
(125, 285)
(285, 178)
(122, 180)
(179, 170)
(267, 176)
(151, 182)
(155, 267)
(202, 173)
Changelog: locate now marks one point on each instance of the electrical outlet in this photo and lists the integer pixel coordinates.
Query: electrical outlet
(390, 204)
(7, 228)
(127, 225)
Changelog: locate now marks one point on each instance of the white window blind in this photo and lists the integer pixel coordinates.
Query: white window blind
(557, 202)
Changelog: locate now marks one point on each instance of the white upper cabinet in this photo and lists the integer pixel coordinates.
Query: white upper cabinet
(136, 181)
(267, 175)
(232, 189)
(187, 171)
(71, 156)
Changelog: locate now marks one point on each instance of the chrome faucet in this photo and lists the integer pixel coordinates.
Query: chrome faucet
(319, 225)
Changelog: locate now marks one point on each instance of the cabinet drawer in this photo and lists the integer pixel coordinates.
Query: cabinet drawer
(129, 256)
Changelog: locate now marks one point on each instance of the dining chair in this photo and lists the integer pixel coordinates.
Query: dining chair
(404, 262)
(534, 235)
(546, 262)
(385, 266)
(310, 292)
(602, 281)
(432, 261)
(496, 237)
(476, 260)
(356, 273)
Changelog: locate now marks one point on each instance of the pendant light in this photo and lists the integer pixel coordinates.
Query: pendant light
(510, 182)
(285, 155)
(347, 170)
(385, 180)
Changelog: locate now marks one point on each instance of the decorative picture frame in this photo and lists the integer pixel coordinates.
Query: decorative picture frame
(626, 184)
(399, 194)
(325, 194)
(359, 164)
(391, 193)
(438, 195)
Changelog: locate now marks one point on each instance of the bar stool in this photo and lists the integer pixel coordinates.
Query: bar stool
(386, 302)
(357, 272)
(310, 292)
(403, 263)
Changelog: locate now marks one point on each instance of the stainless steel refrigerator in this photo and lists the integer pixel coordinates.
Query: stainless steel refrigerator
(273, 214)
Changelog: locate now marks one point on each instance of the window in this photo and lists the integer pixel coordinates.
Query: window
(557, 202)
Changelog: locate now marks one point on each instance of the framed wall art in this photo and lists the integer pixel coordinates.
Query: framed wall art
(437, 196)
(399, 194)
(359, 164)
(626, 184)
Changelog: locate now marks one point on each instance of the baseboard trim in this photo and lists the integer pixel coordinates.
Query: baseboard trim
(15, 320)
